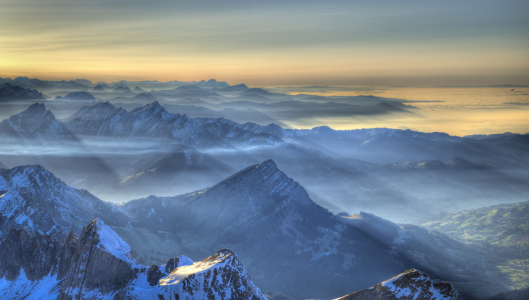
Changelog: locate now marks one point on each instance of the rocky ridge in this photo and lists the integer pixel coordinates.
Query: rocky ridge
(14, 92)
(412, 284)
(99, 265)
(38, 202)
(35, 123)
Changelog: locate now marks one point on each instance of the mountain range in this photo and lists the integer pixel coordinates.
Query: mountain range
(339, 183)
(98, 264)
(258, 212)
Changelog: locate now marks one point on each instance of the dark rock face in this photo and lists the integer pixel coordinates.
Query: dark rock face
(93, 268)
(412, 284)
(82, 263)
(36, 255)
(154, 275)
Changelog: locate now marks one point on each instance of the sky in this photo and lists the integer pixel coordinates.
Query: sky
(268, 43)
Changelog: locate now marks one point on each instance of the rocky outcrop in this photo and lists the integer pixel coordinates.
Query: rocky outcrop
(412, 284)
(98, 264)
(36, 255)
(102, 262)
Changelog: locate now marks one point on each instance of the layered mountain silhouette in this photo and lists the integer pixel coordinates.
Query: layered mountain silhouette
(76, 96)
(35, 123)
(14, 92)
(404, 189)
(100, 88)
(98, 111)
(259, 212)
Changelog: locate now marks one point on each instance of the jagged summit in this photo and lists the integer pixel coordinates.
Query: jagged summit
(412, 284)
(34, 109)
(138, 89)
(14, 92)
(109, 240)
(264, 178)
(35, 122)
(121, 88)
(98, 111)
(99, 88)
(222, 257)
(152, 108)
(256, 190)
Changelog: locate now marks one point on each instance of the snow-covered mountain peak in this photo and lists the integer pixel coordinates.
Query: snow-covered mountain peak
(220, 276)
(218, 260)
(30, 176)
(412, 284)
(110, 240)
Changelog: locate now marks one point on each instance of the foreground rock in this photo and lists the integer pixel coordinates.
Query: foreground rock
(99, 265)
(412, 284)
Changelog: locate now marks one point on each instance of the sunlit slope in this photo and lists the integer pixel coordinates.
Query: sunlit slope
(500, 232)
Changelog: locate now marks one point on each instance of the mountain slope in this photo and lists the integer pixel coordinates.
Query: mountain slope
(98, 111)
(35, 123)
(412, 284)
(271, 222)
(77, 96)
(500, 233)
(39, 202)
(282, 235)
(173, 172)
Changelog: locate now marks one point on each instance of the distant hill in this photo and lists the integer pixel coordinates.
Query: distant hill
(77, 96)
(13, 92)
(500, 232)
